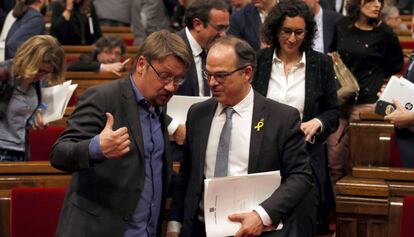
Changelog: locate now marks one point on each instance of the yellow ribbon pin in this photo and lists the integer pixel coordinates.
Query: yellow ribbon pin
(259, 125)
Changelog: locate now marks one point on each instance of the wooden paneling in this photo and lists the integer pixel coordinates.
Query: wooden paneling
(369, 202)
(25, 174)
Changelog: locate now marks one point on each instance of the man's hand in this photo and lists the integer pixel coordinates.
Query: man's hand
(179, 134)
(38, 122)
(115, 68)
(114, 144)
(401, 117)
(310, 128)
(252, 224)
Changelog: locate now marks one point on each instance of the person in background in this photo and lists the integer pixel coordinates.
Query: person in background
(325, 24)
(38, 59)
(29, 22)
(278, 145)
(372, 52)
(247, 22)
(238, 4)
(113, 12)
(116, 145)
(148, 16)
(106, 57)
(292, 73)
(10, 19)
(74, 22)
(391, 16)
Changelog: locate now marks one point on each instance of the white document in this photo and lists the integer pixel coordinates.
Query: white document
(178, 106)
(236, 194)
(399, 88)
(56, 98)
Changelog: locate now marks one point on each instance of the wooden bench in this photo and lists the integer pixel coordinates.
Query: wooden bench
(116, 29)
(88, 79)
(25, 174)
(369, 203)
(370, 140)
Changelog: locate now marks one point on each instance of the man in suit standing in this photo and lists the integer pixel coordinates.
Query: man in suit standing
(266, 136)
(116, 145)
(246, 23)
(205, 20)
(325, 23)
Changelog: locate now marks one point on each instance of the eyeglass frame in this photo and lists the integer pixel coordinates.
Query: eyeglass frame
(167, 80)
(286, 32)
(219, 28)
(220, 76)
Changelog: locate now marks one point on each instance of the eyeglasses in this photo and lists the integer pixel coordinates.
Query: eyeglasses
(287, 32)
(166, 79)
(220, 76)
(219, 28)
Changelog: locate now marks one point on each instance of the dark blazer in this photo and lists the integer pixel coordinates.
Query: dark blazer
(329, 19)
(320, 100)
(279, 146)
(190, 85)
(30, 24)
(103, 194)
(245, 24)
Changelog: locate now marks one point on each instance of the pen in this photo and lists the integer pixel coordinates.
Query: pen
(126, 61)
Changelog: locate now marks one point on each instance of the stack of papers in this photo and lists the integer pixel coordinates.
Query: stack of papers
(235, 194)
(56, 99)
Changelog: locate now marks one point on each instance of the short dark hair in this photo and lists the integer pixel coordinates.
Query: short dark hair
(110, 41)
(201, 9)
(291, 8)
(244, 52)
(353, 9)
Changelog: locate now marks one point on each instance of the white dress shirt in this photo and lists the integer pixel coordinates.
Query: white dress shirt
(290, 90)
(318, 44)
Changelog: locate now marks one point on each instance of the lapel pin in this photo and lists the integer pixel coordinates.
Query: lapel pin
(259, 125)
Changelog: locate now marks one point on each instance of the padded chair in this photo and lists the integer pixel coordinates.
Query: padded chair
(407, 217)
(35, 212)
(41, 142)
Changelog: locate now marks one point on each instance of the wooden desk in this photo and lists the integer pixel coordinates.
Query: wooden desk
(369, 203)
(88, 79)
(370, 141)
(25, 174)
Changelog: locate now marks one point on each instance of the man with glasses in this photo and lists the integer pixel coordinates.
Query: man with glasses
(106, 57)
(264, 135)
(117, 147)
(206, 20)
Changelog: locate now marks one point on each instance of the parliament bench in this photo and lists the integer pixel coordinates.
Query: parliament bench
(369, 202)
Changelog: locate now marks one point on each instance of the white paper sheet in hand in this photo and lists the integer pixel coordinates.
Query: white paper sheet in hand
(56, 98)
(236, 194)
(178, 106)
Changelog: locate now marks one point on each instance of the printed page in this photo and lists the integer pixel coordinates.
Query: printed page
(56, 98)
(178, 106)
(236, 194)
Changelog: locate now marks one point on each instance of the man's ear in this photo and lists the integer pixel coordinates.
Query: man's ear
(197, 24)
(248, 73)
(140, 64)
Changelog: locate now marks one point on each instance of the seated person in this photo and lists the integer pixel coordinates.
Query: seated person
(391, 17)
(106, 57)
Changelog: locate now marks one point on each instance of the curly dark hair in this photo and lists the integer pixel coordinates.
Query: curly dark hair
(274, 21)
(353, 9)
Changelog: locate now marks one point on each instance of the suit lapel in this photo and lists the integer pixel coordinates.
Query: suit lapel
(312, 91)
(204, 123)
(262, 77)
(257, 131)
(191, 75)
(132, 115)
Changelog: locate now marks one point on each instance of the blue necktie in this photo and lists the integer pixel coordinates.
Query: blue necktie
(222, 158)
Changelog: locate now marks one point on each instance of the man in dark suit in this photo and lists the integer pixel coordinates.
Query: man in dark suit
(246, 23)
(116, 145)
(325, 22)
(205, 20)
(266, 136)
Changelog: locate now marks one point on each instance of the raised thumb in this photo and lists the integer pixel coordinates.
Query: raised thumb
(109, 121)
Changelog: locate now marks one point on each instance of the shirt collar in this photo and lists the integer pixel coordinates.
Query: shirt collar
(141, 100)
(243, 107)
(195, 46)
(318, 16)
(277, 60)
